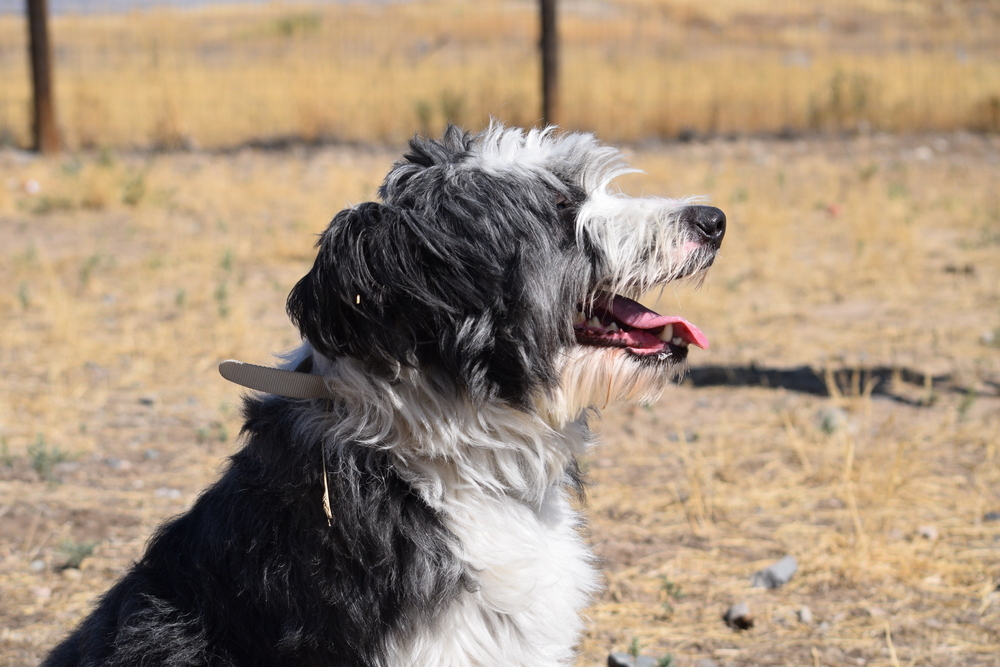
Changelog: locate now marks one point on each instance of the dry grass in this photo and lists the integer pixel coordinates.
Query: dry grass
(633, 69)
(127, 277)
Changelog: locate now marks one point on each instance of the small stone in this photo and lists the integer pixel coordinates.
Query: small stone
(72, 574)
(928, 532)
(147, 400)
(622, 659)
(833, 419)
(991, 516)
(170, 494)
(151, 454)
(805, 615)
(706, 662)
(37, 565)
(118, 464)
(41, 592)
(776, 575)
(738, 616)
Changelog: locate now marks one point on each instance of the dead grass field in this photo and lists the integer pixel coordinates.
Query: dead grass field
(632, 69)
(848, 412)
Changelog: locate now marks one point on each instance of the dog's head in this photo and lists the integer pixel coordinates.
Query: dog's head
(501, 265)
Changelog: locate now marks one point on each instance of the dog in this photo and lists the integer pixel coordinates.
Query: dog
(407, 499)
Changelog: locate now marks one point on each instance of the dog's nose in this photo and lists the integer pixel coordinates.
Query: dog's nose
(708, 220)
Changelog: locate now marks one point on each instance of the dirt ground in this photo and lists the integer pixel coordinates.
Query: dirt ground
(847, 412)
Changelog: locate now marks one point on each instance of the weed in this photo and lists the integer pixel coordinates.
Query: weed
(51, 204)
(666, 661)
(424, 113)
(6, 458)
(452, 106)
(865, 173)
(24, 295)
(296, 24)
(227, 261)
(635, 647)
(670, 592)
(44, 458)
(968, 399)
(75, 552)
(180, 298)
(896, 190)
(221, 295)
(88, 267)
(134, 190)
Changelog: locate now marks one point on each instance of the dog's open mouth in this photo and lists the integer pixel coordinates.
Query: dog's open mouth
(616, 321)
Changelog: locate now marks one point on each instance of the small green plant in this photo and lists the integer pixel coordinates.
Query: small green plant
(91, 263)
(424, 113)
(671, 592)
(23, 295)
(227, 261)
(452, 106)
(666, 661)
(180, 298)
(222, 299)
(966, 403)
(75, 552)
(134, 190)
(635, 647)
(44, 458)
(6, 458)
(295, 24)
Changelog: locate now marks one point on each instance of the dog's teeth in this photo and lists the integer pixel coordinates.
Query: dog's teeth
(680, 342)
(667, 333)
(594, 322)
(579, 317)
(612, 327)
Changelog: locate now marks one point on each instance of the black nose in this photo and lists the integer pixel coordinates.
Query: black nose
(708, 220)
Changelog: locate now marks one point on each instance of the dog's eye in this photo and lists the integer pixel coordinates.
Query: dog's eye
(562, 203)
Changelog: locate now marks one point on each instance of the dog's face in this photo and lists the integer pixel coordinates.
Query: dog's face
(500, 266)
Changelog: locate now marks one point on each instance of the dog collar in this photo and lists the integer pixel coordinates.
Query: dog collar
(274, 380)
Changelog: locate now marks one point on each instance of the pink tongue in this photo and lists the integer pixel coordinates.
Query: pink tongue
(637, 315)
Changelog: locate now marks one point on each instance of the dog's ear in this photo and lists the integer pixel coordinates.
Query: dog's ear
(343, 306)
(394, 289)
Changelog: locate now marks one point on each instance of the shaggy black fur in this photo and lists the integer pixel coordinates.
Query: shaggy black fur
(252, 574)
(470, 274)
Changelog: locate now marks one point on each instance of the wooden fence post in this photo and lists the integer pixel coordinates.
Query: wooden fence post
(550, 63)
(44, 130)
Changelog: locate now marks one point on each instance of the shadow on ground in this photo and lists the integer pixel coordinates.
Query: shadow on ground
(898, 384)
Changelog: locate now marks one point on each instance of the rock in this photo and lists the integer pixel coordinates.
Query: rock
(72, 574)
(928, 532)
(738, 616)
(832, 419)
(164, 492)
(776, 575)
(991, 516)
(37, 565)
(118, 464)
(706, 662)
(805, 615)
(622, 659)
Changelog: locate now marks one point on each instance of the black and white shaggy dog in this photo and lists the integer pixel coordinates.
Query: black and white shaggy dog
(417, 512)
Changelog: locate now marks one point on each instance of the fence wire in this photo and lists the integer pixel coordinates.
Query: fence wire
(140, 73)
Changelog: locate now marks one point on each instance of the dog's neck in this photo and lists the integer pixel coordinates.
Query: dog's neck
(438, 437)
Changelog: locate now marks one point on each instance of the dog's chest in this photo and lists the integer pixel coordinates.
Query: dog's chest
(534, 576)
